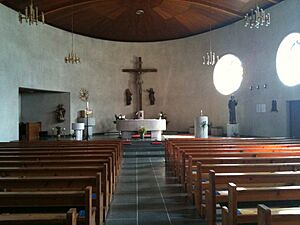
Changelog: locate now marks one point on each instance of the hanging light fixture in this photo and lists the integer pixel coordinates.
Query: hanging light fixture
(72, 57)
(31, 15)
(257, 18)
(210, 58)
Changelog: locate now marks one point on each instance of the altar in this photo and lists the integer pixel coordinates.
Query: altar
(129, 126)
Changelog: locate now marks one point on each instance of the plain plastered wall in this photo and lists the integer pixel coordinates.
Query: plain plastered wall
(33, 57)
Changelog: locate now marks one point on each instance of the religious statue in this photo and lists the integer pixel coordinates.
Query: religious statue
(60, 113)
(128, 96)
(232, 103)
(151, 96)
(274, 106)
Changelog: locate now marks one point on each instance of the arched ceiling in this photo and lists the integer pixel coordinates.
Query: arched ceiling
(162, 19)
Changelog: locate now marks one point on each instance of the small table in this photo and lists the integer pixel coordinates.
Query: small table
(129, 126)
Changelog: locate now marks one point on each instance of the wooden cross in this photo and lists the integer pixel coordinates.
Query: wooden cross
(138, 78)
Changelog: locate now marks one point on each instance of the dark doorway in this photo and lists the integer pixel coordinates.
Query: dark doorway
(294, 109)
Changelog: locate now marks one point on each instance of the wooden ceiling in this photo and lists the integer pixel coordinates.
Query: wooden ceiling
(162, 19)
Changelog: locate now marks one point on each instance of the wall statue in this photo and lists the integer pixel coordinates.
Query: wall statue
(60, 113)
(151, 96)
(128, 95)
(232, 103)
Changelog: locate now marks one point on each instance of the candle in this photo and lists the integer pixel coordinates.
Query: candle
(87, 105)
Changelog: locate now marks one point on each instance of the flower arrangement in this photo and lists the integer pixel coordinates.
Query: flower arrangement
(142, 130)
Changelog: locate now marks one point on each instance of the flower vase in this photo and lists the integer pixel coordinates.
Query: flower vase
(142, 136)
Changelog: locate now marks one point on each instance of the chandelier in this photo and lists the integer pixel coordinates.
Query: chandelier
(210, 58)
(31, 15)
(257, 18)
(72, 57)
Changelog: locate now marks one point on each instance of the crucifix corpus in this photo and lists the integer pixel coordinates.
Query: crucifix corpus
(138, 79)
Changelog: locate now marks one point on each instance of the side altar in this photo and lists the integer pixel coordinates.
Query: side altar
(130, 126)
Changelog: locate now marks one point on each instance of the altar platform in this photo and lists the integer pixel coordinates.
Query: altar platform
(130, 126)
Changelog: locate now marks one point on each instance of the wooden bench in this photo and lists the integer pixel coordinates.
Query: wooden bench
(58, 183)
(64, 171)
(186, 167)
(69, 218)
(278, 216)
(257, 194)
(218, 182)
(202, 175)
(180, 158)
(43, 201)
(61, 158)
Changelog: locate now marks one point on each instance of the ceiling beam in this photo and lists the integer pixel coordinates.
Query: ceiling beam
(215, 7)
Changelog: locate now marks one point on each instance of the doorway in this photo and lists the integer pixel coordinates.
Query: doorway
(294, 118)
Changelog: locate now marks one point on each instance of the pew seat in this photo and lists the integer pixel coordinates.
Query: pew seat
(35, 203)
(278, 216)
(276, 196)
(69, 218)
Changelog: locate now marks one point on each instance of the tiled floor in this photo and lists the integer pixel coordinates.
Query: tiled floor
(146, 194)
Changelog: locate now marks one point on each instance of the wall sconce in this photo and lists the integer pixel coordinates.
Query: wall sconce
(265, 85)
(257, 87)
(251, 88)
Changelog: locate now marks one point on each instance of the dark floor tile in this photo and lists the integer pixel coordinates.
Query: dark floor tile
(180, 221)
(122, 199)
(152, 218)
(127, 211)
(121, 221)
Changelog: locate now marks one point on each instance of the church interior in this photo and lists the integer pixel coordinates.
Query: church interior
(150, 112)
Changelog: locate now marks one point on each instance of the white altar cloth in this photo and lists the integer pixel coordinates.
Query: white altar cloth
(128, 126)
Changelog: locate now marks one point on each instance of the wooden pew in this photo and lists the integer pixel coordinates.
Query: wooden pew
(41, 201)
(185, 166)
(61, 183)
(180, 160)
(170, 144)
(62, 167)
(82, 157)
(51, 154)
(69, 218)
(257, 194)
(218, 181)
(277, 216)
(64, 171)
(58, 147)
(202, 174)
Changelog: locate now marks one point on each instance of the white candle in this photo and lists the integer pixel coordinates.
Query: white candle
(87, 105)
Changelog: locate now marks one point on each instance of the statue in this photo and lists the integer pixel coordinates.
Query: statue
(60, 113)
(151, 96)
(274, 106)
(128, 96)
(232, 103)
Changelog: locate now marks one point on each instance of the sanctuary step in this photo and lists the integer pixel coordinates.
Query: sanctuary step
(144, 149)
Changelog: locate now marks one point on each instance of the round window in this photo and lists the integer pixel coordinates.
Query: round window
(287, 60)
(228, 74)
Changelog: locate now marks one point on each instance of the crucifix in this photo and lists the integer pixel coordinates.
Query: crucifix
(138, 79)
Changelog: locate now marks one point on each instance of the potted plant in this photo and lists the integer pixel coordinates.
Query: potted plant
(142, 131)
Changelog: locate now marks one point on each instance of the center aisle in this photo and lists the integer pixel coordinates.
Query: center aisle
(146, 194)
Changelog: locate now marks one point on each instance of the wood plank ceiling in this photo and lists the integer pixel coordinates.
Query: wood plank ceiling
(162, 19)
